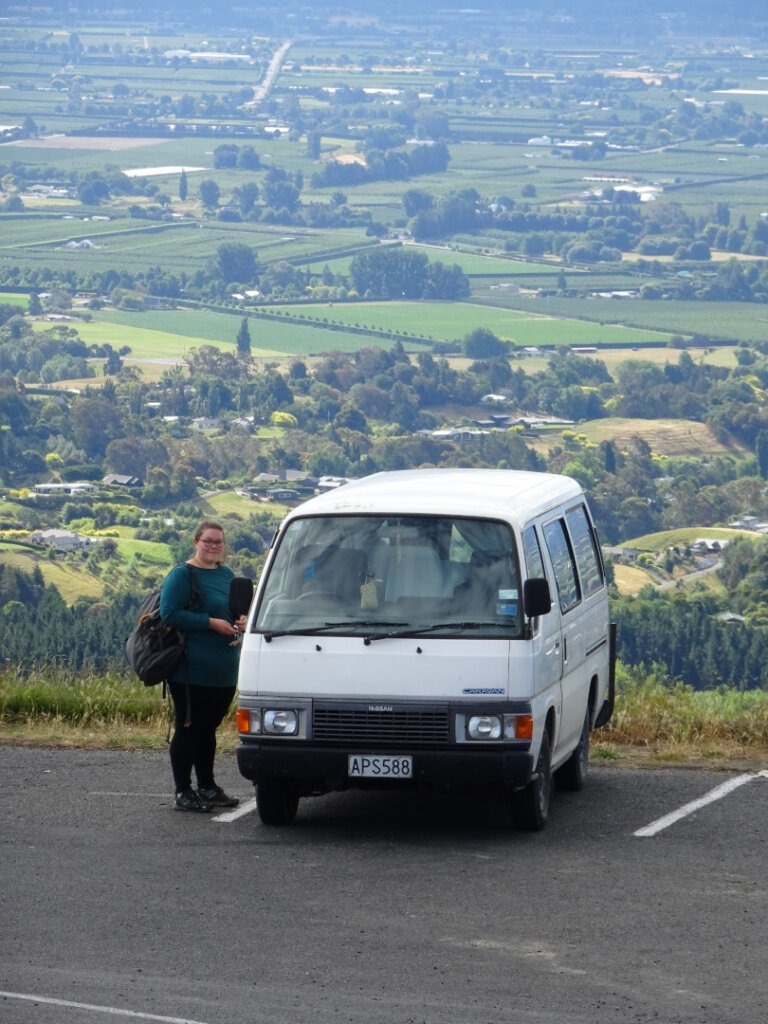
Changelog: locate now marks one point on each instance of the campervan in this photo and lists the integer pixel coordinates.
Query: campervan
(428, 628)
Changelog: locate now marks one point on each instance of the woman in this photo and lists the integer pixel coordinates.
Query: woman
(203, 685)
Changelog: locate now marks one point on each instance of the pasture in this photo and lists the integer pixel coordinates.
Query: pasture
(664, 437)
(657, 543)
(306, 330)
(68, 578)
(495, 149)
(452, 321)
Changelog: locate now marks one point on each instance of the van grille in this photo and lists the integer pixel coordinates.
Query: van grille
(411, 726)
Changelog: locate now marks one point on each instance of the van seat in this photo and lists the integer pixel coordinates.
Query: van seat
(416, 572)
(337, 571)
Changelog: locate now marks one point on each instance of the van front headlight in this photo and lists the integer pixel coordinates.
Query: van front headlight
(269, 721)
(484, 727)
(280, 721)
(492, 727)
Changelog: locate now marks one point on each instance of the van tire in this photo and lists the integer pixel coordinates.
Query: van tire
(573, 774)
(530, 806)
(277, 802)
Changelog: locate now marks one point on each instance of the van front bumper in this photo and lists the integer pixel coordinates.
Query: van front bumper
(315, 768)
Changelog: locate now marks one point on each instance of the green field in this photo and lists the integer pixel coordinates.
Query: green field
(307, 330)
(660, 542)
(449, 321)
(495, 149)
(473, 264)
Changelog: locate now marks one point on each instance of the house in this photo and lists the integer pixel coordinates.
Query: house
(749, 523)
(453, 434)
(625, 555)
(329, 483)
(75, 487)
(293, 476)
(729, 617)
(708, 546)
(283, 494)
(121, 480)
(62, 540)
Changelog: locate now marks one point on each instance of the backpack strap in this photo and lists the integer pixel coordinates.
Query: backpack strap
(194, 589)
(194, 595)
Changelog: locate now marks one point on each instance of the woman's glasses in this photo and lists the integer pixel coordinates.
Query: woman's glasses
(212, 543)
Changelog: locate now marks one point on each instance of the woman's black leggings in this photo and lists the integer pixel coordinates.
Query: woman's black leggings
(194, 744)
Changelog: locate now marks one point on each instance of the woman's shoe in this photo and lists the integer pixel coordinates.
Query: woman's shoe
(189, 800)
(216, 796)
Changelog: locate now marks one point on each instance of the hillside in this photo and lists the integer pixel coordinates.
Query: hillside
(663, 436)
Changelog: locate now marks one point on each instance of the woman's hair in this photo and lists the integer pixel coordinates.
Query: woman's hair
(207, 524)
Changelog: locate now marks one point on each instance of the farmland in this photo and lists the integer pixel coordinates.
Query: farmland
(300, 241)
(502, 134)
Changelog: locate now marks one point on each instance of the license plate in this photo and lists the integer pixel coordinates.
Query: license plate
(379, 766)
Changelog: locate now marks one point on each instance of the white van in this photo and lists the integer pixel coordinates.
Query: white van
(436, 628)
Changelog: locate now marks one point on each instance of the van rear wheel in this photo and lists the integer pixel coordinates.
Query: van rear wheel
(530, 806)
(277, 802)
(573, 774)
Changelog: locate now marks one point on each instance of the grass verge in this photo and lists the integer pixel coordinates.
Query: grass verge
(656, 722)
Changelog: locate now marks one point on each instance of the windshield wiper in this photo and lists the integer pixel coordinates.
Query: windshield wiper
(398, 634)
(270, 634)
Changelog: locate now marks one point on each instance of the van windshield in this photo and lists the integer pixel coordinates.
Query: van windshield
(385, 575)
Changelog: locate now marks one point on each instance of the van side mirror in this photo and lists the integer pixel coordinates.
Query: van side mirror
(537, 599)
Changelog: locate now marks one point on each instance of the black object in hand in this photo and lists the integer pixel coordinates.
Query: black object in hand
(240, 595)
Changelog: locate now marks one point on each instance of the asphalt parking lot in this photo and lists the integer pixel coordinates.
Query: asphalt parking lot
(645, 900)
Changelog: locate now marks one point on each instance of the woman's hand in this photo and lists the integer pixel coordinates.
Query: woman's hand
(223, 627)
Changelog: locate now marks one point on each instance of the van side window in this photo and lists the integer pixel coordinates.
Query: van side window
(533, 561)
(559, 549)
(586, 550)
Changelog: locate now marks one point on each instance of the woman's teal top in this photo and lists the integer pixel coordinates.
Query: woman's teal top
(210, 659)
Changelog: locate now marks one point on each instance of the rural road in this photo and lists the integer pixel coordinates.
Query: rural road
(262, 90)
(378, 909)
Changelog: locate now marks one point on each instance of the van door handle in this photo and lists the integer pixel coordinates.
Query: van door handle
(565, 649)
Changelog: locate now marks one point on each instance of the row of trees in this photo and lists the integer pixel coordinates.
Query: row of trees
(686, 634)
(686, 637)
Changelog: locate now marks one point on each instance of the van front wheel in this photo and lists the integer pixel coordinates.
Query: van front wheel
(530, 806)
(277, 802)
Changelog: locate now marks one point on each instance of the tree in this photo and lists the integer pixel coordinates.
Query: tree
(246, 196)
(761, 450)
(95, 422)
(244, 339)
(416, 201)
(209, 193)
(390, 273)
(183, 185)
(225, 156)
(281, 195)
(314, 145)
(483, 344)
(236, 262)
(133, 456)
(248, 159)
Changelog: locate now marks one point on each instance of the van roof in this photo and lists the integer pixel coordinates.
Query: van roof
(490, 493)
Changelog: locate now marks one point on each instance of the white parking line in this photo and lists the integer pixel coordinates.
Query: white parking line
(682, 812)
(114, 1011)
(239, 812)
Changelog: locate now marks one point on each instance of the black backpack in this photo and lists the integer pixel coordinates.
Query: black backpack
(154, 649)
